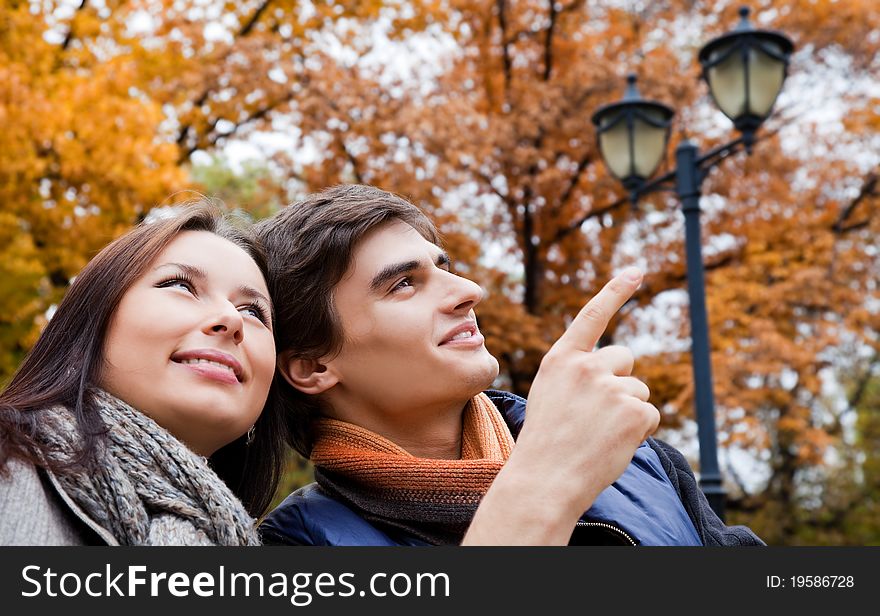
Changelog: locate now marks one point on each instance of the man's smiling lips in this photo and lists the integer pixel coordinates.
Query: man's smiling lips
(211, 363)
(465, 334)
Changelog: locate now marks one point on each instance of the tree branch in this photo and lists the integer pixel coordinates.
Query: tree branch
(211, 140)
(856, 398)
(69, 36)
(186, 129)
(504, 198)
(650, 288)
(575, 178)
(555, 11)
(548, 41)
(564, 231)
(505, 50)
(355, 165)
(246, 29)
(869, 189)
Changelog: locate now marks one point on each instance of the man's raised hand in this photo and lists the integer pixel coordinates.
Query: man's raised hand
(585, 417)
(585, 410)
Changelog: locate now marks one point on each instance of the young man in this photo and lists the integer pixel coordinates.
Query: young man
(387, 375)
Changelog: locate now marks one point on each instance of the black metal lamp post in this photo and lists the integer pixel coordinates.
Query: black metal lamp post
(745, 69)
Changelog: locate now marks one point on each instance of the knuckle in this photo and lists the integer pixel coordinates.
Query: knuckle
(580, 367)
(551, 358)
(625, 353)
(604, 352)
(617, 352)
(570, 358)
(588, 363)
(592, 312)
(652, 414)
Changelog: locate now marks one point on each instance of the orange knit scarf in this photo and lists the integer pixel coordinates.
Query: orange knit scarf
(434, 500)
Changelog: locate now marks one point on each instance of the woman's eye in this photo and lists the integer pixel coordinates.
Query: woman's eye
(256, 311)
(180, 283)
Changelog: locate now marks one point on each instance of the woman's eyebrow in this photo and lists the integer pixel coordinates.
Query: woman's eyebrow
(252, 293)
(191, 270)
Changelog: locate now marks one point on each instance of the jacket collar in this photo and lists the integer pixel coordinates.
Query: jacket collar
(512, 408)
(99, 530)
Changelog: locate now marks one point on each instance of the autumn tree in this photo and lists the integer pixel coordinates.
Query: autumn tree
(79, 162)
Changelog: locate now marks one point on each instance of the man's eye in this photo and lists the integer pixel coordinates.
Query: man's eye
(402, 284)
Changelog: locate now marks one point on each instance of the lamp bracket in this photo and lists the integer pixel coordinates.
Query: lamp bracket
(704, 164)
(714, 156)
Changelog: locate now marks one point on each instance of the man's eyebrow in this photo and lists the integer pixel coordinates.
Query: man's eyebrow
(396, 269)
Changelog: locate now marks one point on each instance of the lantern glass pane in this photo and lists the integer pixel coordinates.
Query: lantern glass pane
(614, 145)
(765, 79)
(727, 82)
(650, 144)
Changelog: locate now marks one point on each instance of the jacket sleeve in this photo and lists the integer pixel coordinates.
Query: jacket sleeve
(712, 531)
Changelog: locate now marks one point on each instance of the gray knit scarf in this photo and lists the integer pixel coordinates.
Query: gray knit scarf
(147, 487)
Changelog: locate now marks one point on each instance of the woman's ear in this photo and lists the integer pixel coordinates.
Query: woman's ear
(307, 375)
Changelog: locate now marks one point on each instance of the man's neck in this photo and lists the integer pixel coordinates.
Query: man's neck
(440, 444)
(428, 432)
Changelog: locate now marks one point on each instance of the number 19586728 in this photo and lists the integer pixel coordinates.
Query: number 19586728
(811, 581)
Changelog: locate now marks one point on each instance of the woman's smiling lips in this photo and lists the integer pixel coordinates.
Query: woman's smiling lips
(211, 363)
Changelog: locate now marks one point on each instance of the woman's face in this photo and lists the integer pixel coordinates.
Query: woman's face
(191, 342)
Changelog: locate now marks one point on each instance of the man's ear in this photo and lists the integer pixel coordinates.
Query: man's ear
(307, 375)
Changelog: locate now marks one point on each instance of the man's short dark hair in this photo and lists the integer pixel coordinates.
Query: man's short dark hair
(310, 246)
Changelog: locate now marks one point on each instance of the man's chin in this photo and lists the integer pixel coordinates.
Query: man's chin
(483, 378)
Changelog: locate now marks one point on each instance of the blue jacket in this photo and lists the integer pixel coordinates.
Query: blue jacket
(655, 502)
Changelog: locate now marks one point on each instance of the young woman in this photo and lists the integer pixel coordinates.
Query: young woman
(143, 414)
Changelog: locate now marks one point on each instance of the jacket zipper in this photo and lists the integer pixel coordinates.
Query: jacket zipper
(609, 527)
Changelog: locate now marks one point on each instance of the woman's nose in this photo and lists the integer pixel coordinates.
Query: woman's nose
(227, 321)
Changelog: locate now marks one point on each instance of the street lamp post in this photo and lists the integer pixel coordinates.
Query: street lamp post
(745, 69)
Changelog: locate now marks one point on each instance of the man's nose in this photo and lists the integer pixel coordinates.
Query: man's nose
(463, 294)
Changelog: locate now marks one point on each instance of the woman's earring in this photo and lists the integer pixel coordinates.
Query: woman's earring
(250, 434)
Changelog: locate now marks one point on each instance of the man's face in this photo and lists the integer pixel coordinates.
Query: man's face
(411, 340)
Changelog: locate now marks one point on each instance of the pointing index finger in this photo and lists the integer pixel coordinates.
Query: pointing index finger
(590, 323)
